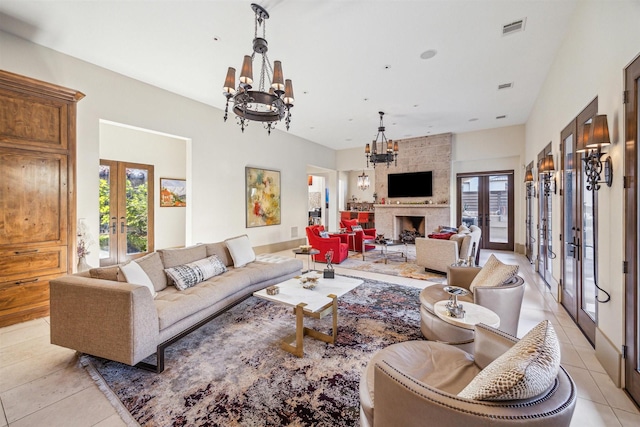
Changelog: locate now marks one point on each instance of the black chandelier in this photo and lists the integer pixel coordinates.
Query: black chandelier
(388, 149)
(268, 105)
(595, 135)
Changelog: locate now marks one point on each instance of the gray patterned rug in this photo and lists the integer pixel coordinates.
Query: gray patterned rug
(232, 372)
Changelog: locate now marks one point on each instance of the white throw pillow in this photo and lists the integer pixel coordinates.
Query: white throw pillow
(241, 251)
(524, 371)
(135, 275)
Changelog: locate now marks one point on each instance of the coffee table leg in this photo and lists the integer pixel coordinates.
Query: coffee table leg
(301, 330)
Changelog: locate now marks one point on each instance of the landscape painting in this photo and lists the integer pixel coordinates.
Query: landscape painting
(262, 197)
(173, 192)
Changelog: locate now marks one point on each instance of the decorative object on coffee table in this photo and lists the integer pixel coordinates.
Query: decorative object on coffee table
(262, 197)
(329, 272)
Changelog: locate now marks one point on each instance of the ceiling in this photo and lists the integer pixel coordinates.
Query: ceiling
(347, 59)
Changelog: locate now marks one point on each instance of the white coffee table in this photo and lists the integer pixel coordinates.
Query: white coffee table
(474, 314)
(316, 303)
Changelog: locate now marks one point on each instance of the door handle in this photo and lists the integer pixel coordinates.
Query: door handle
(113, 225)
(22, 282)
(122, 224)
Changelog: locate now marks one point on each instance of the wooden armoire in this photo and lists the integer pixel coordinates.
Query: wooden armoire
(37, 193)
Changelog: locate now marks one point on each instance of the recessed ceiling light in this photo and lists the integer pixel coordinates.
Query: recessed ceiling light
(474, 119)
(386, 67)
(216, 38)
(505, 86)
(366, 99)
(428, 54)
(415, 105)
(348, 139)
(501, 117)
(306, 92)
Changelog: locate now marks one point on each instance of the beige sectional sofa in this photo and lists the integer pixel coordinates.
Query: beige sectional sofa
(100, 314)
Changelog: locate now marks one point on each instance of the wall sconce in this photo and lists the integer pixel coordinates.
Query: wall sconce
(530, 183)
(310, 180)
(547, 169)
(594, 136)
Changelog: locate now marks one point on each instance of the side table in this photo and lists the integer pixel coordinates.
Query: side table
(309, 253)
(474, 314)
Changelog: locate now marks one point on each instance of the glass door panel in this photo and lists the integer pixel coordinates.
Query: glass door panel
(469, 191)
(588, 300)
(498, 208)
(137, 206)
(571, 228)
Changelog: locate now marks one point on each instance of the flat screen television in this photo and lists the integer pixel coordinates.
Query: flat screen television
(412, 184)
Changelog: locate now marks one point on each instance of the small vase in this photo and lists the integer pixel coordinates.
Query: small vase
(82, 265)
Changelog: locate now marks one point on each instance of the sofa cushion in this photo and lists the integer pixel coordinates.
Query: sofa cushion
(524, 371)
(152, 265)
(106, 273)
(240, 250)
(188, 275)
(220, 250)
(493, 273)
(135, 275)
(181, 256)
(349, 223)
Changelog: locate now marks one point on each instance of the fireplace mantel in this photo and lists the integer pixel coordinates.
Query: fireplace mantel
(434, 215)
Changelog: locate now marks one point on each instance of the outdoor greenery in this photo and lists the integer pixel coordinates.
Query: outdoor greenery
(136, 216)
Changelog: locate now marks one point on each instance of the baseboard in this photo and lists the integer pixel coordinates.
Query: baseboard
(609, 357)
(280, 246)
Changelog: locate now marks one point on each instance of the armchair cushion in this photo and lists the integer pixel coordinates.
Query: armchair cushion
(493, 273)
(525, 370)
(348, 223)
(441, 236)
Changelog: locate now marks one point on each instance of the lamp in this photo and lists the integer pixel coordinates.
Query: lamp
(268, 105)
(363, 181)
(388, 149)
(594, 136)
(547, 170)
(531, 187)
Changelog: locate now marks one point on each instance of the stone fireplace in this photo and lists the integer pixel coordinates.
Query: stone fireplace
(393, 219)
(410, 227)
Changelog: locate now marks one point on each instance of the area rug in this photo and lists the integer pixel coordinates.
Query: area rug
(395, 266)
(232, 372)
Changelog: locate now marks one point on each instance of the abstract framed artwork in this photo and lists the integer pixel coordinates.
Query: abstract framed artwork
(173, 192)
(262, 197)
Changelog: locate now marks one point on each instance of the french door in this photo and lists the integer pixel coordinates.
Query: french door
(632, 251)
(546, 188)
(578, 230)
(485, 199)
(126, 211)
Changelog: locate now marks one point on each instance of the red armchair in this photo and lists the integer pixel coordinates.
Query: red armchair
(365, 234)
(324, 244)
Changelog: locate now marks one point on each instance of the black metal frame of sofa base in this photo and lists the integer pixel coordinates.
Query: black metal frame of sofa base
(159, 366)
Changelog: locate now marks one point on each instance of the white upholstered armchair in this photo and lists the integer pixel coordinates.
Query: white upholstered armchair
(438, 254)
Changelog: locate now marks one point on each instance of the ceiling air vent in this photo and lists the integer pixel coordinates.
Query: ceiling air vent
(513, 27)
(501, 117)
(505, 86)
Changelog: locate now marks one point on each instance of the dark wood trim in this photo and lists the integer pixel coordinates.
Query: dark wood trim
(38, 88)
(632, 376)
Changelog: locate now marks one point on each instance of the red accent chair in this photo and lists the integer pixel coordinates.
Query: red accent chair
(365, 234)
(325, 244)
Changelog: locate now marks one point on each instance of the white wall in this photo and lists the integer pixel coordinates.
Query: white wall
(168, 155)
(603, 37)
(492, 150)
(219, 151)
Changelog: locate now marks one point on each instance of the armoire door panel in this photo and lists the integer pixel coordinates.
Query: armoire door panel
(31, 121)
(37, 213)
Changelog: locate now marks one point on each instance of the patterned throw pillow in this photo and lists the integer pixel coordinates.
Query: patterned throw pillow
(493, 273)
(524, 371)
(188, 275)
(356, 228)
(324, 234)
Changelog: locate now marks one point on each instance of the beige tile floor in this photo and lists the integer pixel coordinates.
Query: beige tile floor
(42, 384)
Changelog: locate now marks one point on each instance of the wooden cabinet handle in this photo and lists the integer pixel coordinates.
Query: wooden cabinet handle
(22, 282)
(26, 252)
